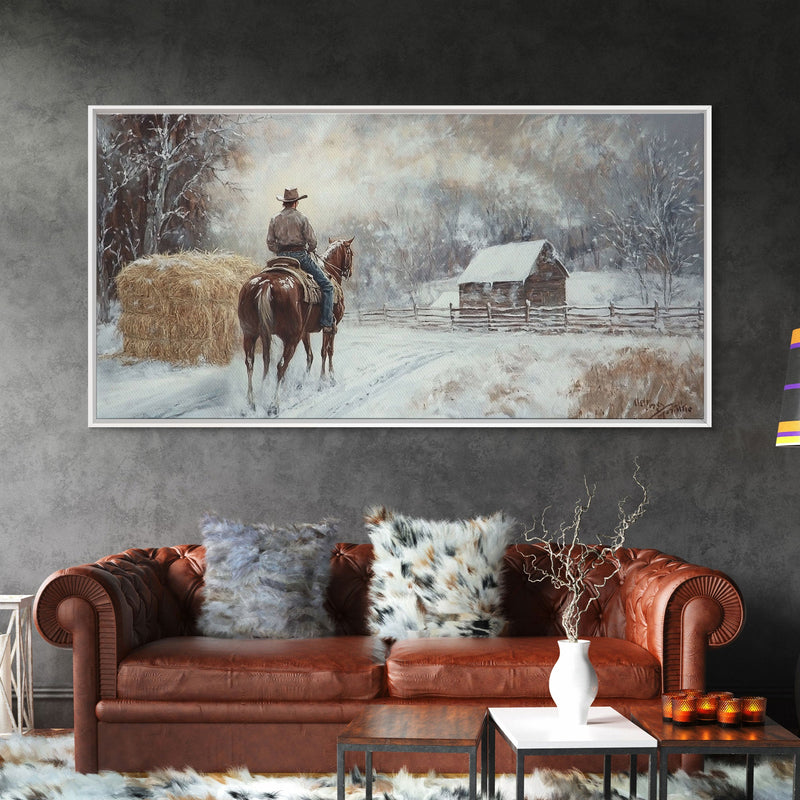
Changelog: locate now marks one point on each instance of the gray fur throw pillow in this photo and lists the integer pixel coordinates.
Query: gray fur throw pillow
(436, 578)
(264, 581)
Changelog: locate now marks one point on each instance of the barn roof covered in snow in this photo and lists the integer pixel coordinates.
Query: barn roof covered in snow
(507, 262)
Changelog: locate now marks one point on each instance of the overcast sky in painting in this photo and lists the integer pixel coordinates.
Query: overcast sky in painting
(366, 164)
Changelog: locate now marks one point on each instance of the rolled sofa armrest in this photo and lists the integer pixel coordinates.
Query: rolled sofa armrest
(677, 610)
(119, 603)
(106, 609)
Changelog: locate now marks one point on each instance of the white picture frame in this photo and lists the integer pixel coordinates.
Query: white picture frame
(411, 352)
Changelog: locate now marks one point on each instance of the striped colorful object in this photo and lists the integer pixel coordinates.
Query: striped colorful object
(789, 426)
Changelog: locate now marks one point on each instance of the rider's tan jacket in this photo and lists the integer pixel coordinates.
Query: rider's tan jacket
(290, 230)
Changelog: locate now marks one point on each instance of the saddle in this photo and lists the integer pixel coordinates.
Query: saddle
(312, 294)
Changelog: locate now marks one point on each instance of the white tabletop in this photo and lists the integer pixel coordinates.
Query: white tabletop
(540, 729)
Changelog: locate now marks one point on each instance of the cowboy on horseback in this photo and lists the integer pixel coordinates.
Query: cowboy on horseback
(290, 234)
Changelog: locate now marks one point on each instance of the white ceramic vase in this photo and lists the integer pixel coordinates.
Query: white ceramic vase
(573, 682)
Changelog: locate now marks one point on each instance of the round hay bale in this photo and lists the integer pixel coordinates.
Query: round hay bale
(181, 307)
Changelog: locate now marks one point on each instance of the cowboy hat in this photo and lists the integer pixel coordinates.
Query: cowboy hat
(290, 196)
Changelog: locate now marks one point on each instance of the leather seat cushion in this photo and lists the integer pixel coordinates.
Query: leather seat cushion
(514, 666)
(199, 668)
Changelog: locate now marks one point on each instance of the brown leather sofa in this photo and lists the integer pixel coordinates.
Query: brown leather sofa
(149, 692)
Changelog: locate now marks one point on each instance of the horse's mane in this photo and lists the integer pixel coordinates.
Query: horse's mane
(332, 246)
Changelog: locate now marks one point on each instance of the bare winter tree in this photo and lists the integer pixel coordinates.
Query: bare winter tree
(658, 234)
(153, 172)
(424, 244)
(117, 237)
(181, 154)
(450, 203)
(508, 221)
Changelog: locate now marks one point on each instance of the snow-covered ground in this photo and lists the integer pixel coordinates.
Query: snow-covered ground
(381, 373)
(401, 373)
(621, 288)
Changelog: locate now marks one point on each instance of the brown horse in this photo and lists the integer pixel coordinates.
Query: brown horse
(272, 304)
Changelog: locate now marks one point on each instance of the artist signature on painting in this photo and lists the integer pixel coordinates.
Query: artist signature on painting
(663, 410)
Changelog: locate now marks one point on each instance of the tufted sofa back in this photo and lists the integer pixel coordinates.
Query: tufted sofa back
(163, 589)
(532, 609)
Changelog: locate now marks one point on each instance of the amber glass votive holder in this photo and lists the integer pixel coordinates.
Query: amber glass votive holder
(684, 710)
(729, 712)
(666, 704)
(754, 710)
(707, 707)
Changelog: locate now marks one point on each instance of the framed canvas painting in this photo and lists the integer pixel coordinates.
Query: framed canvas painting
(399, 266)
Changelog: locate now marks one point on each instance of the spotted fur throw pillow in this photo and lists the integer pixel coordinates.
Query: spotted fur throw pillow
(264, 581)
(436, 578)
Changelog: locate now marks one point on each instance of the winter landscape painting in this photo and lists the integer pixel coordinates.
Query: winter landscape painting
(494, 266)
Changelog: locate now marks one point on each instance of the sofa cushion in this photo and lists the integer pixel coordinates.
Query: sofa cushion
(265, 581)
(199, 668)
(436, 578)
(512, 666)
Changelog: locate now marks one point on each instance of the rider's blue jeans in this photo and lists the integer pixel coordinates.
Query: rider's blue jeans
(311, 266)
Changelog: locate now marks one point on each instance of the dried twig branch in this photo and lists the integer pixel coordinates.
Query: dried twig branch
(568, 563)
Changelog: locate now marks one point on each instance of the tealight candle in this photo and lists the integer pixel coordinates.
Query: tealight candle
(729, 712)
(684, 710)
(754, 710)
(707, 707)
(666, 704)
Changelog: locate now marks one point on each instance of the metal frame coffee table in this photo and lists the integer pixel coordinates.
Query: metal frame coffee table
(769, 739)
(537, 731)
(413, 729)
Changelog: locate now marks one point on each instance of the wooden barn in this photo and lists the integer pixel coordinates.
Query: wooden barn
(509, 274)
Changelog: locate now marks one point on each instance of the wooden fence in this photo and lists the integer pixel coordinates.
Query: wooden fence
(541, 319)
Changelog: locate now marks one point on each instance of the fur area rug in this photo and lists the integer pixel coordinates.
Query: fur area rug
(40, 768)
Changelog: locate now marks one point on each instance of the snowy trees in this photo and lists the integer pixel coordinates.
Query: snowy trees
(117, 236)
(606, 190)
(153, 172)
(421, 193)
(424, 236)
(656, 228)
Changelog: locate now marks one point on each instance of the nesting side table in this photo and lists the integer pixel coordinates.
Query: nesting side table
(769, 739)
(415, 729)
(537, 731)
(16, 664)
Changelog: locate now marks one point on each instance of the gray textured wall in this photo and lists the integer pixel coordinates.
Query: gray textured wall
(723, 497)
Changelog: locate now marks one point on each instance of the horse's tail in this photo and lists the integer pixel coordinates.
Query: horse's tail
(265, 310)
